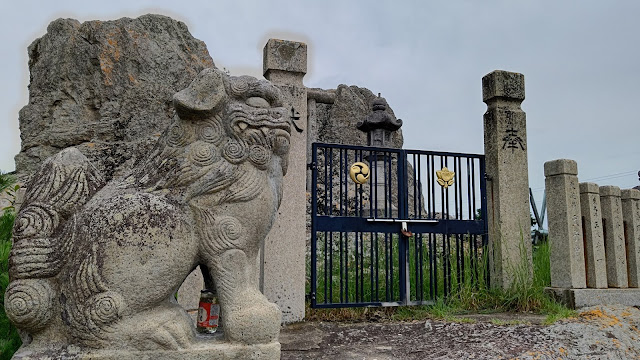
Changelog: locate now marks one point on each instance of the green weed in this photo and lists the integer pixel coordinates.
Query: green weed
(501, 322)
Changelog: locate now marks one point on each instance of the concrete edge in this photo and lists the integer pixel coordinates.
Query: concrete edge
(579, 298)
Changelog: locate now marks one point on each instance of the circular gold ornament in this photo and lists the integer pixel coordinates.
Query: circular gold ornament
(359, 173)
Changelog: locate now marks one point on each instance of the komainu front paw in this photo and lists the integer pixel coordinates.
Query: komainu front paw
(166, 327)
(257, 322)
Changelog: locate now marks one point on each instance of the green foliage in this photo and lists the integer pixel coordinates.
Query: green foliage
(501, 322)
(6, 181)
(9, 337)
(541, 265)
(407, 313)
(555, 311)
(8, 185)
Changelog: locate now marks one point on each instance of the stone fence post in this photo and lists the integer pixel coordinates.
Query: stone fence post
(631, 217)
(505, 148)
(594, 239)
(282, 277)
(593, 235)
(565, 224)
(615, 249)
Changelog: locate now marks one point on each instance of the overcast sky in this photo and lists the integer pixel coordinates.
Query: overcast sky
(581, 62)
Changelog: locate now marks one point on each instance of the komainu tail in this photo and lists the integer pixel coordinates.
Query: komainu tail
(64, 183)
(42, 236)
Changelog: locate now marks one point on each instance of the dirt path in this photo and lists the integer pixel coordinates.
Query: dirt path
(597, 333)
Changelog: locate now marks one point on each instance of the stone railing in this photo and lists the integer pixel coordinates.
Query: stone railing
(594, 234)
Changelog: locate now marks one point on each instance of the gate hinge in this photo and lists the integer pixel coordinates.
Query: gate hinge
(311, 165)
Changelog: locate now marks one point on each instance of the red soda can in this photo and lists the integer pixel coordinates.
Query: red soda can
(208, 312)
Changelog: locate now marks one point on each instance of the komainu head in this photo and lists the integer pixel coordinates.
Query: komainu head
(245, 110)
(223, 122)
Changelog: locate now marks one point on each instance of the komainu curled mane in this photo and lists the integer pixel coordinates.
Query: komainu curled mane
(94, 265)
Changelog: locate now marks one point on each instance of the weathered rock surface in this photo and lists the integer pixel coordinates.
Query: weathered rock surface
(105, 87)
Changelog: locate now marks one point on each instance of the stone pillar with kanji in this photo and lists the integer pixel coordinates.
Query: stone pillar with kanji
(505, 146)
(282, 278)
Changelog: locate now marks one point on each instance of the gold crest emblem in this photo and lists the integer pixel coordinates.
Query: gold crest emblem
(359, 173)
(445, 177)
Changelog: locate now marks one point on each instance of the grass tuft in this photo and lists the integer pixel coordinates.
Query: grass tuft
(500, 322)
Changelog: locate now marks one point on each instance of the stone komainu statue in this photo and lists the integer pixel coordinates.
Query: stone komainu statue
(95, 265)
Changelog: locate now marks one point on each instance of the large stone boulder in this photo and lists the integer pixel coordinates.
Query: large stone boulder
(105, 87)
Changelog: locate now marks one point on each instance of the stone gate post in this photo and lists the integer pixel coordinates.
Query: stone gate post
(282, 277)
(505, 147)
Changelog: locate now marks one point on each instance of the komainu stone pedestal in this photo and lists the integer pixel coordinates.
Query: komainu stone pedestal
(205, 350)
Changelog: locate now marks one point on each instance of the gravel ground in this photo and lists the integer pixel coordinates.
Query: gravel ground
(596, 333)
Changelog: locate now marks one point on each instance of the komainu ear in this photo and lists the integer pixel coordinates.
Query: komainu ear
(204, 95)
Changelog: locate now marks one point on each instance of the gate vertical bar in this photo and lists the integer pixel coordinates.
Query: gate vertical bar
(314, 210)
(432, 238)
(329, 241)
(403, 213)
(457, 210)
(485, 219)
(417, 197)
(471, 211)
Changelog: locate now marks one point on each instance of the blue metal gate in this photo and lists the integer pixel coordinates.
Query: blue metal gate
(395, 227)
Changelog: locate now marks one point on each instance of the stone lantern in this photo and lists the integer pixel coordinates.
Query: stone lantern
(379, 125)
